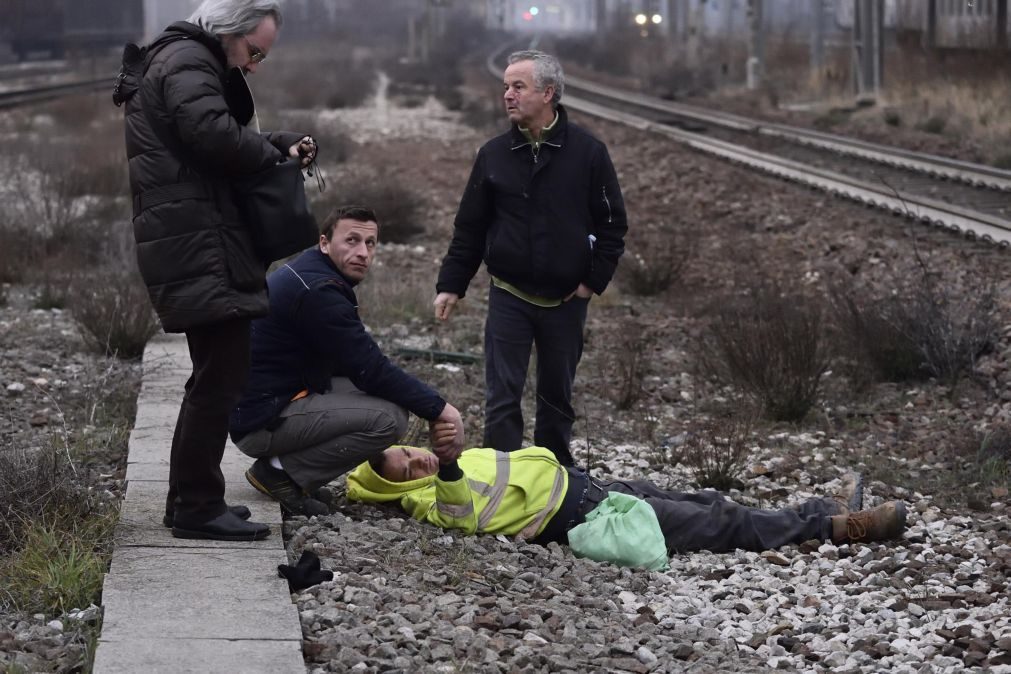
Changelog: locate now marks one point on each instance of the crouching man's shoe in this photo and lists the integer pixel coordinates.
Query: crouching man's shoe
(224, 527)
(240, 511)
(279, 486)
(886, 521)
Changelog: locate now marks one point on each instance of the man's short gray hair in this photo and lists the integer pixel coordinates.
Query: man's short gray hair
(234, 17)
(547, 71)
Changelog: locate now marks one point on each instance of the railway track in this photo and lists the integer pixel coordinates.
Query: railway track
(37, 94)
(963, 197)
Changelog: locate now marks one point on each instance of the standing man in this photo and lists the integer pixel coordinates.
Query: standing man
(543, 209)
(322, 397)
(190, 130)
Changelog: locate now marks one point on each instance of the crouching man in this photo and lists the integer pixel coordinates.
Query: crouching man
(321, 396)
(529, 494)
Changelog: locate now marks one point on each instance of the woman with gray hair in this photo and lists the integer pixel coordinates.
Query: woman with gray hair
(190, 132)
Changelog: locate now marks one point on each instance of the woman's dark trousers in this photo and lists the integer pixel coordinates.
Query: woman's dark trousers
(220, 355)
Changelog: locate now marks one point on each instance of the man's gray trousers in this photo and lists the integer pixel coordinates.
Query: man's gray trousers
(325, 435)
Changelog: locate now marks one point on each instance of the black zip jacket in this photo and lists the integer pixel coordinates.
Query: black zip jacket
(313, 333)
(543, 222)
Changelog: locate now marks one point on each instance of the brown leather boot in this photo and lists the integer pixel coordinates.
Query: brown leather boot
(850, 497)
(886, 521)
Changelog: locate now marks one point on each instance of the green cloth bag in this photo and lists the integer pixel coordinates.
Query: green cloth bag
(622, 530)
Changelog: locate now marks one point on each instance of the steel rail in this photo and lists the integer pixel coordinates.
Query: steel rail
(933, 165)
(924, 209)
(11, 99)
(921, 208)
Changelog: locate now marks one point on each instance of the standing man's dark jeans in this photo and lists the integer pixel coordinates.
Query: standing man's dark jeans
(705, 520)
(513, 326)
(220, 355)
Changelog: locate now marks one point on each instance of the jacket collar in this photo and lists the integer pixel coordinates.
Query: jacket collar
(556, 139)
(188, 31)
(318, 255)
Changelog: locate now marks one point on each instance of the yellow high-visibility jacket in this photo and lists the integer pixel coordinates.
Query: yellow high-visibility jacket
(512, 493)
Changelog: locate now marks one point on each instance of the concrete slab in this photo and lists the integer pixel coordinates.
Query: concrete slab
(174, 605)
(198, 656)
(140, 518)
(152, 462)
(152, 413)
(233, 468)
(197, 593)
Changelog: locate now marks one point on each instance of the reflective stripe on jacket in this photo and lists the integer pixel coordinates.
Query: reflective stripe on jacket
(512, 493)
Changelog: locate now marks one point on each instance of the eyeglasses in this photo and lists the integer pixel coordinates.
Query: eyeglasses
(256, 55)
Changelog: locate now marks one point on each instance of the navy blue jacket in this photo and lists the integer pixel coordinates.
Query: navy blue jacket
(314, 333)
(530, 217)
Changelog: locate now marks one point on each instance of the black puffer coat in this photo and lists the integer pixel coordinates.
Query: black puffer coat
(195, 254)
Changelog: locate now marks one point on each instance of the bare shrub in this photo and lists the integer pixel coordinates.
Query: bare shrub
(482, 114)
(315, 75)
(716, 450)
(397, 206)
(657, 262)
(773, 345)
(33, 483)
(930, 326)
(631, 363)
(935, 124)
(19, 247)
(46, 191)
(113, 311)
(875, 339)
(387, 298)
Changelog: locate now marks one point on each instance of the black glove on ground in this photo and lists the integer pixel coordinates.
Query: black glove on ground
(305, 573)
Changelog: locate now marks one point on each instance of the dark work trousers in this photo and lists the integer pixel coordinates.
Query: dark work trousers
(705, 520)
(220, 355)
(513, 326)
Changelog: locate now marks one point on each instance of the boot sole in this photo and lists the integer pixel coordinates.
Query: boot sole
(857, 500)
(285, 504)
(900, 511)
(203, 535)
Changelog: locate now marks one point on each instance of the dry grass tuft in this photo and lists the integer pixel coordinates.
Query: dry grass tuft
(716, 450)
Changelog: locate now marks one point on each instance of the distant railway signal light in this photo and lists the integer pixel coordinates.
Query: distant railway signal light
(656, 19)
(527, 16)
(534, 11)
(641, 19)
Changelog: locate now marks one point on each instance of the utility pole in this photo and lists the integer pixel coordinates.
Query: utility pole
(817, 37)
(930, 25)
(868, 43)
(756, 44)
(1001, 24)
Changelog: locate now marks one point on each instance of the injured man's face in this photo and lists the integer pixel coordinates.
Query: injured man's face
(403, 464)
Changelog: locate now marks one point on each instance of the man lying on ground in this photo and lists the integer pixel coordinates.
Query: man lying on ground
(529, 494)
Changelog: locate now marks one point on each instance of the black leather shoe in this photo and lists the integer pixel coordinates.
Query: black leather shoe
(224, 527)
(279, 486)
(240, 511)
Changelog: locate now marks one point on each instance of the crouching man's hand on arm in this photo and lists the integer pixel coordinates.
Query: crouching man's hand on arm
(447, 434)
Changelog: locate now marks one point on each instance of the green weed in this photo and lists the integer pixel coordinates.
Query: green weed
(60, 564)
